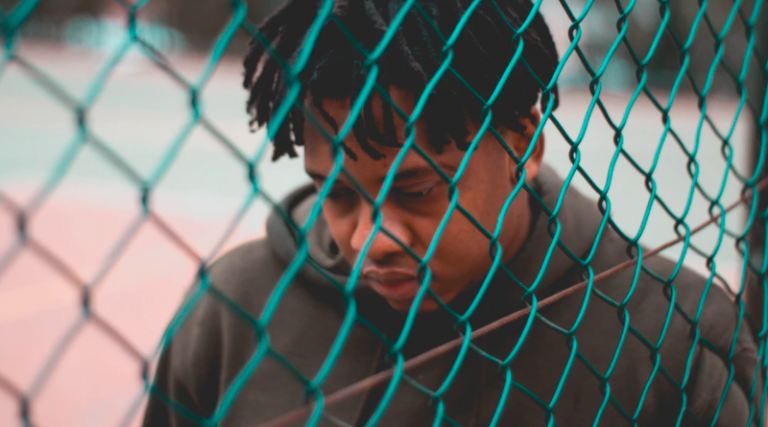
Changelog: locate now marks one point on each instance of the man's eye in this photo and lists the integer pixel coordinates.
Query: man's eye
(340, 193)
(414, 194)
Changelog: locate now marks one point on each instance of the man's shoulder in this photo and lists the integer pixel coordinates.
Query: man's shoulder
(691, 291)
(662, 282)
(251, 266)
(689, 286)
(240, 280)
(212, 332)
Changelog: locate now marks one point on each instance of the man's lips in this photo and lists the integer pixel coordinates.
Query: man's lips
(392, 284)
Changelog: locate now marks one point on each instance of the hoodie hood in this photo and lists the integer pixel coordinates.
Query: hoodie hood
(281, 235)
(578, 217)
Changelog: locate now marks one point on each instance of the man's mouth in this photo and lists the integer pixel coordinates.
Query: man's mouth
(392, 284)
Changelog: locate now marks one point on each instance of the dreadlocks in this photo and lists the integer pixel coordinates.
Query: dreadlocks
(337, 68)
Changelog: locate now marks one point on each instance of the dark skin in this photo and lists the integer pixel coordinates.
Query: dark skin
(418, 201)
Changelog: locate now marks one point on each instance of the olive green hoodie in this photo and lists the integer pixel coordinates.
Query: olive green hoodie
(566, 373)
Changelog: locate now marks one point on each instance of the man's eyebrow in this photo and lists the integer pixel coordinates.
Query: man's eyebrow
(316, 176)
(419, 172)
(414, 172)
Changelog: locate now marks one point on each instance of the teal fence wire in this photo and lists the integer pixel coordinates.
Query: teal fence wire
(752, 106)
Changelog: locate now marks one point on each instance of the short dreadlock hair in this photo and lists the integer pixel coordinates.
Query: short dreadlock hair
(337, 69)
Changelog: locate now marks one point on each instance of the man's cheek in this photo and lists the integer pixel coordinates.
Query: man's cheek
(455, 242)
(474, 205)
(425, 230)
(342, 235)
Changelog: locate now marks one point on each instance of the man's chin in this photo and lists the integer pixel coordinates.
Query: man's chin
(427, 305)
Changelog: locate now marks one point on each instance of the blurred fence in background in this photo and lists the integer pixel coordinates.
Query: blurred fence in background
(175, 26)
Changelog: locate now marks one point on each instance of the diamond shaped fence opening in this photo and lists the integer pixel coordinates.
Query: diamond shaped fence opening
(661, 124)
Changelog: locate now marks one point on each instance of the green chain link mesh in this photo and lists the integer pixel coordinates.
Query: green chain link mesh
(12, 20)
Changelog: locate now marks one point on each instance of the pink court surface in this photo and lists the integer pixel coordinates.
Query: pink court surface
(93, 217)
(94, 381)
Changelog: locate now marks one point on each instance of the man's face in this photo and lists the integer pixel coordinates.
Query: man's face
(416, 204)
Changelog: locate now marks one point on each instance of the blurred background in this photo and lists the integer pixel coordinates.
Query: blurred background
(82, 201)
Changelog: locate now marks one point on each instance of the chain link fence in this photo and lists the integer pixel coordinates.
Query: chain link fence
(736, 22)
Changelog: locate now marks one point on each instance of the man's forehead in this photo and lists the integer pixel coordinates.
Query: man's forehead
(412, 167)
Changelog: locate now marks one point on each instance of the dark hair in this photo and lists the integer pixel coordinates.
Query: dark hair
(336, 67)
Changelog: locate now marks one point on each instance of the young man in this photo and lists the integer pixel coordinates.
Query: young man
(631, 352)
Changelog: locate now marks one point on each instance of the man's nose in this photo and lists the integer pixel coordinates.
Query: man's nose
(382, 246)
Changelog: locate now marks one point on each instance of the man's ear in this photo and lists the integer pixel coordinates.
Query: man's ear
(519, 143)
